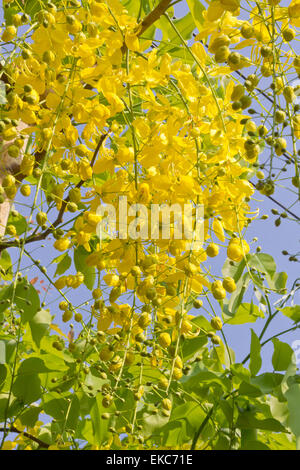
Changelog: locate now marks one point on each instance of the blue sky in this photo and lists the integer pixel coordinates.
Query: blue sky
(271, 239)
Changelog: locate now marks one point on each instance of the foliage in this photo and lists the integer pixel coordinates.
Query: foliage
(95, 106)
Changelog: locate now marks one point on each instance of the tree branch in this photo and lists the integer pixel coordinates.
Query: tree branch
(279, 204)
(153, 16)
(150, 19)
(58, 220)
(42, 444)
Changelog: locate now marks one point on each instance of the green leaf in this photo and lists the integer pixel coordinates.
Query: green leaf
(153, 422)
(92, 384)
(196, 9)
(249, 390)
(5, 296)
(267, 382)
(240, 371)
(80, 255)
(3, 374)
(30, 416)
(54, 362)
(279, 281)
(27, 387)
(255, 445)
(10, 349)
(255, 358)
(201, 322)
(233, 270)
(185, 26)
(64, 264)
(3, 99)
(39, 325)
(63, 410)
(263, 262)
(236, 297)
(193, 345)
(2, 352)
(293, 399)
(282, 355)
(247, 420)
(18, 221)
(27, 299)
(8, 411)
(100, 426)
(33, 365)
(246, 313)
(291, 312)
(201, 376)
(5, 263)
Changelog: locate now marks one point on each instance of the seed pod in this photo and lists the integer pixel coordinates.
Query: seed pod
(8, 181)
(266, 51)
(177, 373)
(260, 175)
(48, 57)
(220, 41)
(216, 323)
(13, 151)
(222, 54)
(11, 230)
(219, 293)
(245, 101)
(247, 30)
(234, 60)
(296, 63)
(280, 116)
(229, 284)
(167, 404)
(144, 320)
(237, 93)
(289, 95)
(27, 164)
(41, 218)
(266, 71)
(106, 354)
(288, 34)
(67, 315)
(114, 294)
(9, 33)
(280, 146)
(236, 105)
(197, 303)
(164, 340)
(268, 188)
(216, 340)
(212, 250)
(107, 401)
(262, 131)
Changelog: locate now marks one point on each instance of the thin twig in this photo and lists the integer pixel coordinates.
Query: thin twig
(150, 19)
(42, 444)
(59, 218)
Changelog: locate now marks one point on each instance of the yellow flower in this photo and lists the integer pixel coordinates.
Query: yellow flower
(62, 244)
(132, 41)
(85, 170)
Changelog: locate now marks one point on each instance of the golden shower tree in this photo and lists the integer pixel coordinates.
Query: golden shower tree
(102, 100)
